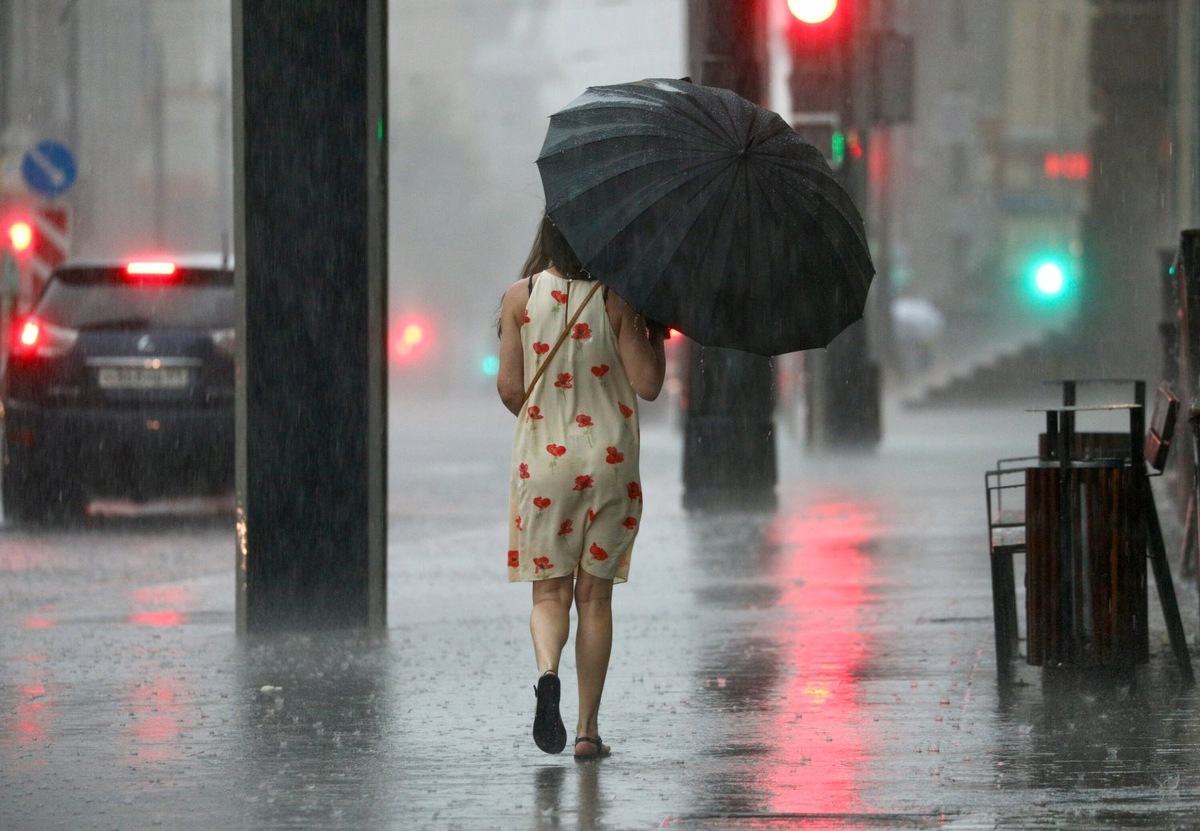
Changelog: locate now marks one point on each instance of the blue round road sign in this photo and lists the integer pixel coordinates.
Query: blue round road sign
(48, 168)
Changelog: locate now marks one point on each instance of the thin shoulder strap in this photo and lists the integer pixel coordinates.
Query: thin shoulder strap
(550, 356)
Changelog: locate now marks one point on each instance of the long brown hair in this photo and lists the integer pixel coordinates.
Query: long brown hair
(550, 248)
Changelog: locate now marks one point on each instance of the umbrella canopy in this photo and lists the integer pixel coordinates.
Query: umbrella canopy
(708, 213)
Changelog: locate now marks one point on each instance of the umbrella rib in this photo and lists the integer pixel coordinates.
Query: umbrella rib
(681, 234)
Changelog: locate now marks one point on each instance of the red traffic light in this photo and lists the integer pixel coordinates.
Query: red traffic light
(812, 11)
(410, 339)
(20, 235)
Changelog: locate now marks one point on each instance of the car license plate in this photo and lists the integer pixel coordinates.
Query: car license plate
(141, 378)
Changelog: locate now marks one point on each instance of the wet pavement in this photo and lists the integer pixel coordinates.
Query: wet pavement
(827, 665)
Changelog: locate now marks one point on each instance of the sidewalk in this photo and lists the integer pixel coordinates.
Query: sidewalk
(826, 666)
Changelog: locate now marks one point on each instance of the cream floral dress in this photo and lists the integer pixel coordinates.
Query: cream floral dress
(575, 498)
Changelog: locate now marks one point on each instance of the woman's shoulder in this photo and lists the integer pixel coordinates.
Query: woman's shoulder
(517, 293)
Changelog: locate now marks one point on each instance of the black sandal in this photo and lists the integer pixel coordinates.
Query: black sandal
(602, 750)
(548, 731)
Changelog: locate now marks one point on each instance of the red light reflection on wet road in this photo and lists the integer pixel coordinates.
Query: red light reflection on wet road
(156, 718)
(31, 713)
(174, 598)
(822, 728)
(156, 704)
(158, 618)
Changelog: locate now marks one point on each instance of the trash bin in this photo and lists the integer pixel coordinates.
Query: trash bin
(1085, 565)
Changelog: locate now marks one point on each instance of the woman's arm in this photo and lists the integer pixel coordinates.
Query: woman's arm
(510, 380)
(641, 349)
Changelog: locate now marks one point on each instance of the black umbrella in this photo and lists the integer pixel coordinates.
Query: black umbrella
(708, 213)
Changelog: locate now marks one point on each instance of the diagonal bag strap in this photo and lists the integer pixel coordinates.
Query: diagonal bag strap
(561, 338)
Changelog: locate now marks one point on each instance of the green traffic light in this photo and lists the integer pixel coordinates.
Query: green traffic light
(837, 148)
(1049, 279)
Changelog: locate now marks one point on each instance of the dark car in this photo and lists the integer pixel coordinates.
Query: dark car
(119, 382)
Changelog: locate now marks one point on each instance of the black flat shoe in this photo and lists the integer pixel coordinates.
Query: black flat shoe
(602, 750)
(548, 731)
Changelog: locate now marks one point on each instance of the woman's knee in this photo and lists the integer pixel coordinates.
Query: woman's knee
(556, 590)
(590, 589)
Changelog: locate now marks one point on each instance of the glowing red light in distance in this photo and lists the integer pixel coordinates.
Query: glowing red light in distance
(1067, 165)
(410, 340)
(812, 11)
(20, 234)
(28, 335)
(155, 269)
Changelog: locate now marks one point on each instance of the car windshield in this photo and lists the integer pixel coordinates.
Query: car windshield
(99, 298)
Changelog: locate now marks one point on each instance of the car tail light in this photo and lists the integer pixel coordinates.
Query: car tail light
(34, 338)
(225, 341)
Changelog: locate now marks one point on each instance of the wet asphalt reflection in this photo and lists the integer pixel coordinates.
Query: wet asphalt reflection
(824, 665)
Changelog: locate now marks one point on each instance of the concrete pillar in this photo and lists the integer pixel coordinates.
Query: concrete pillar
(310, 219)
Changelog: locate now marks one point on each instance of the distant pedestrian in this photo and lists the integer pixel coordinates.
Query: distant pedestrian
(574, 358)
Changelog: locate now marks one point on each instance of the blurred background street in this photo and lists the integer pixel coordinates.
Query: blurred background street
(822, 660)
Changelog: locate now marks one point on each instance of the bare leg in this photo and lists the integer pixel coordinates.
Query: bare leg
(593, 646)
(550, 621)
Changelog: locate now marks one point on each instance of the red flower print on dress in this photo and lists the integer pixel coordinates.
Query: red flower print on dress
(591, 515)
(615, 456)
(514, 558)
(519, 528)
(630, 522)
(584, 482)
(555, 451)
(541, 502)
(635, 491)
(540, 348)
(585, 423)
(541, 564)
(525, 317)
(535, 413)
(625, 411)
(597, 552)
(564, 381)
(561, 297)
(524, 470)
(600, 371)
(581, 332)
(566, 527)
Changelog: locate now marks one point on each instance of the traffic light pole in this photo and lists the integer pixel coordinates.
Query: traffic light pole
(729, 436)
(832, 78)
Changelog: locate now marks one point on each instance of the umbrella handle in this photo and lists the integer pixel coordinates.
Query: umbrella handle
(542, 369)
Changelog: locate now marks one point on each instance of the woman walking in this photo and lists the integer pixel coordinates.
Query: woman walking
(574, 358)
